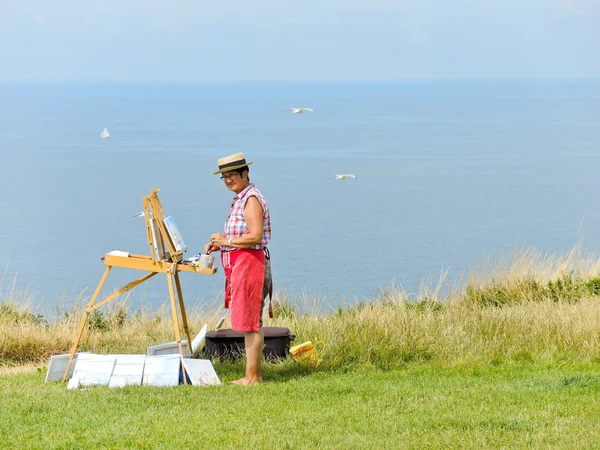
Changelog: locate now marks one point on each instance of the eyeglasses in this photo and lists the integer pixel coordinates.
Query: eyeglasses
(229, 176)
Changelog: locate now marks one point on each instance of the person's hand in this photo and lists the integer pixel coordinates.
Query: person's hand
(218, 239)
(210, 247)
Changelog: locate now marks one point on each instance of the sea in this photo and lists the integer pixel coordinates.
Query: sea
(449, 174)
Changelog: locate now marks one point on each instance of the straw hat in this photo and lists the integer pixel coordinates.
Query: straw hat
(231, 162)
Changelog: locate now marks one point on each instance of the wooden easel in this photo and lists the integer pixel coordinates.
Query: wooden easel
(169, 264)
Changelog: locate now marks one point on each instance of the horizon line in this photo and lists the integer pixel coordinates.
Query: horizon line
(323, 81)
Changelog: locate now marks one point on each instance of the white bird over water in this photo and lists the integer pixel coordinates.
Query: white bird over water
(343, 177)
(300, 110)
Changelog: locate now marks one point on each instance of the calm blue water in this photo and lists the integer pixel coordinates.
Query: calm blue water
(448, 173)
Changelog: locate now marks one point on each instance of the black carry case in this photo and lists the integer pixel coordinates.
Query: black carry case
(229, 344)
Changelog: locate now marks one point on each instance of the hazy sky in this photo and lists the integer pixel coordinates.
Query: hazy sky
(298, 40)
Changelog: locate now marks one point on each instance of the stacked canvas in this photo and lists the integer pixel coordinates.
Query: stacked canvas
(90, 369)
(172, 348)
(160, 367)
(58, 365)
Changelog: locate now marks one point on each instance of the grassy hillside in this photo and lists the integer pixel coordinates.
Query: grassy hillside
(528, 308)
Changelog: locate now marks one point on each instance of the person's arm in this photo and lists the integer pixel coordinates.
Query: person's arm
(253, 215)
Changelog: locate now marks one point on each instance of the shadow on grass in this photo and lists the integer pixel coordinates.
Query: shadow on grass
(580, 381)
(273, 371)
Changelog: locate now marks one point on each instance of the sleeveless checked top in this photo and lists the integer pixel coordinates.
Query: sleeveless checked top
(235, 225)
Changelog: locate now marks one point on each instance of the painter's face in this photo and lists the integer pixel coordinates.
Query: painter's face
(234, 181)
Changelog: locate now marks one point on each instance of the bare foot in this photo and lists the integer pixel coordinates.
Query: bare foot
(247, 381)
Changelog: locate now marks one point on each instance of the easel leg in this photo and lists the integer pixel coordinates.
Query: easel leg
(182, 309)
(176, 323)
(84, 320)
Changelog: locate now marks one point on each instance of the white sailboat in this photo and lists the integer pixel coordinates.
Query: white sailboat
(104, 134)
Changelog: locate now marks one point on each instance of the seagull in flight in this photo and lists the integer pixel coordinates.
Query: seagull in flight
(343, 177)
(300, 110)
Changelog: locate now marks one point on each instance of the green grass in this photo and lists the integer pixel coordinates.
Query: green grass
(420, 406)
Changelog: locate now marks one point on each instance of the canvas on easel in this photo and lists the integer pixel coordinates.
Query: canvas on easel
(158, 244)
(174, 234)
(166, 254)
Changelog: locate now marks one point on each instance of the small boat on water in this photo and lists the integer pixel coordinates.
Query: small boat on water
(104, 134)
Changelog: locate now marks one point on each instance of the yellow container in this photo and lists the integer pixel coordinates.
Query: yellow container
(307, 352)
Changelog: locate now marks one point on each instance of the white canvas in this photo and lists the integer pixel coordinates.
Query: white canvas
(201, 372)
(128, 371)
(73, 382)
(176, 237)
(169, 348)
(92, 370)
(199, 338)
(162, 370)
(159, 248)
(57, 366)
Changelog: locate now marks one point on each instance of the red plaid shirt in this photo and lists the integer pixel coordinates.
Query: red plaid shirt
(235, 225)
